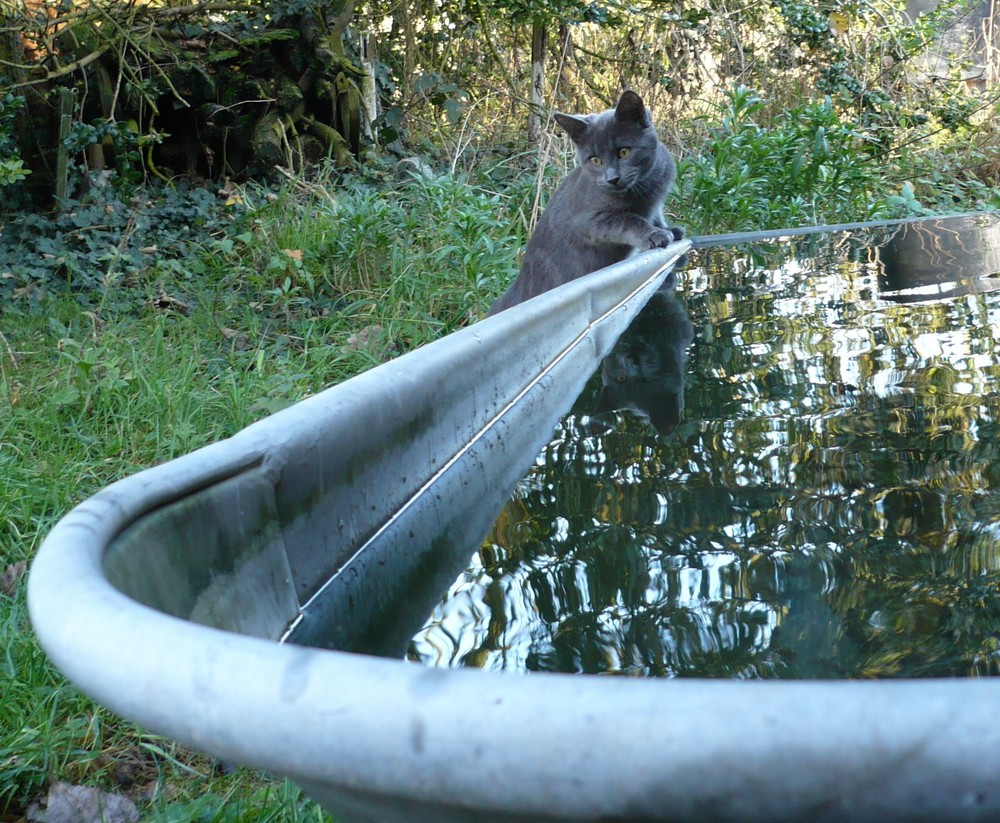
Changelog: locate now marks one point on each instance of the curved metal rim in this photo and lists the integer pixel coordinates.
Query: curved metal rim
(491, 741)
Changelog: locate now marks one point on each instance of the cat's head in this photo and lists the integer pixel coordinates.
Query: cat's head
(615, 147)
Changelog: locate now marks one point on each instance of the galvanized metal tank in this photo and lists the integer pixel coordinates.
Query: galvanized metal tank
(181, 597)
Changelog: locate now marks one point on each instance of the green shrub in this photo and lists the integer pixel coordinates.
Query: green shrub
(808, 166)
(94, 244)
(12, 170)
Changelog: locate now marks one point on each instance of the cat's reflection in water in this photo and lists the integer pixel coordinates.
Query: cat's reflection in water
(644, 372)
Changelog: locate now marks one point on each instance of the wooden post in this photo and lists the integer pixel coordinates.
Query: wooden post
(62, 154)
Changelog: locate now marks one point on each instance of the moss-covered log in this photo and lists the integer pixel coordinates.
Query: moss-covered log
(334, 143)
(270, 141)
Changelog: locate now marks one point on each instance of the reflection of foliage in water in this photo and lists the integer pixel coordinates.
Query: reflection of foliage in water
(828, 508)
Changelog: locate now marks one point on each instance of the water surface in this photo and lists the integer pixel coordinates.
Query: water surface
(787, 467)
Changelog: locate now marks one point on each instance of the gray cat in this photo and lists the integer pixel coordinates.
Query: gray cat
(608, 206)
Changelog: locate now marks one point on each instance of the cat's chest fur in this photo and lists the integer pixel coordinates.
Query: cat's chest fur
(610, 205)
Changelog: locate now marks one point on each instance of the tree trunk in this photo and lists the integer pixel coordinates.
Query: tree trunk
(369, 98)
(990, 29)
(537, 97)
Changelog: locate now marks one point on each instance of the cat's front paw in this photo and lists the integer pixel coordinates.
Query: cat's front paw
(659, 238)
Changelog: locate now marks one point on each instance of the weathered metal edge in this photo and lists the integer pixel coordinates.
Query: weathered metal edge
(377, 739)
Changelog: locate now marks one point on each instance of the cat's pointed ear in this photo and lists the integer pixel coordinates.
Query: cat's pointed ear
(575, 125)
(630, 109)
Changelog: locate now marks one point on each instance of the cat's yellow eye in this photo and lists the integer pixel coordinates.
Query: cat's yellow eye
(596, 161)
(624, 152)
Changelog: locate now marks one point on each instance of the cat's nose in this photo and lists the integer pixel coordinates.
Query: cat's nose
(612, 177)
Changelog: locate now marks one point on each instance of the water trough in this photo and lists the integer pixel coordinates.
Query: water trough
(191, 597)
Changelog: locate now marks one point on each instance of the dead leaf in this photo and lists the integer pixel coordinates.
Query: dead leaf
(11, 576)
(365, 337)
(240, 340)
(129, 767)
(83, 804)
(840, 23)
(23, 291)
(166, 302)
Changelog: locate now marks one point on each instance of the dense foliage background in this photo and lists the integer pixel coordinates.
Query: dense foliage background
(210, 210)
(839, 96)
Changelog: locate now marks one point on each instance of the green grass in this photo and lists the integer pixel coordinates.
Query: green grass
(82, 404)
(114, 357)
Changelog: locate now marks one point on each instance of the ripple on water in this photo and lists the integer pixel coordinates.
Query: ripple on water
(793, 472)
